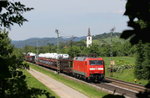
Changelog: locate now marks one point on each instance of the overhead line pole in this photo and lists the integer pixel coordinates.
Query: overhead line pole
(58, 65)
(57, 40)
(112, 30)
(111, 53)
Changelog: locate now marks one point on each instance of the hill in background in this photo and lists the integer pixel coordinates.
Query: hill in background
(42, 41)
(101, 38)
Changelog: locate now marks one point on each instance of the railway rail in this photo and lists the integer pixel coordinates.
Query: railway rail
(128, 85)
(124, 88)
(113, 86)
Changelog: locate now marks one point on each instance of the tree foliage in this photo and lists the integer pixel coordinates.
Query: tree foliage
(79, 48)
(138, 13)
(12, 79)
(142, 68)
(12, 14)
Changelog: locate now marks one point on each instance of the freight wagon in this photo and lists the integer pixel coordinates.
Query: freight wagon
(30, 57)
(89, 68)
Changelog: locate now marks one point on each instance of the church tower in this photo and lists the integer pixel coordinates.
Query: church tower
(89, 39)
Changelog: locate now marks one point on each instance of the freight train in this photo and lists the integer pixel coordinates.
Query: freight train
(88, 68)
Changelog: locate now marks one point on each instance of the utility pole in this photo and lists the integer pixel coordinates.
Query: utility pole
(71, 42)
(58, 64)
(56, 31)
(111, 54)
(37, 47)
(37, 51)
(112, 30)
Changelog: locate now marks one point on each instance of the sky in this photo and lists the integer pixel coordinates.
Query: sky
(71, 18)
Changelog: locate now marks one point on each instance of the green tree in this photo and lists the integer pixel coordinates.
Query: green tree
(12, 79)
(12, 14)
(138, 13)
(73, 51)
(105, 50)
(146, 62)
(93, 50)
(139, 60)
(142, 68)
(27, 49)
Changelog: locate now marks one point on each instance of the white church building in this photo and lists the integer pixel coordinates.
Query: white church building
(89, 39)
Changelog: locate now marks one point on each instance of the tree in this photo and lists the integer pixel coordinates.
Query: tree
(12, 79)
(93, 50)
(139, 60)
(142, 68)
(73, 51)
(27, 49)
(146, 62)
(138, 13)
(12, 14)
(140, 22)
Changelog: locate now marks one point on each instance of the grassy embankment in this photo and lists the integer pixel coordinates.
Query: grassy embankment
(34, 83)
(81, 87)
(125, 75)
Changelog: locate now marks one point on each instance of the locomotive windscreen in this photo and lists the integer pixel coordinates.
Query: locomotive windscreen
(96, 62)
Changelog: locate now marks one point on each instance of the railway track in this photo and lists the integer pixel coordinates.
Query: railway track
(113, 86)
(123, 88)
(128, 85)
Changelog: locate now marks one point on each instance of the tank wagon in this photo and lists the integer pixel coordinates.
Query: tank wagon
(89, 68)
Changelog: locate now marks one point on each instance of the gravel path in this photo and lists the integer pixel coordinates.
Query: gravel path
(59, 88)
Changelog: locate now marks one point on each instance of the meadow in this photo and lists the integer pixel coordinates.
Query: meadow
(126, 74)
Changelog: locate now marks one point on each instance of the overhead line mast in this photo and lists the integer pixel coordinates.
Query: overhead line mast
(57, 40)
(112, 62)
(58, 65)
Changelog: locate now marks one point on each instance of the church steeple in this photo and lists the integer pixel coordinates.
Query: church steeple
(89, 32)
(89, 38)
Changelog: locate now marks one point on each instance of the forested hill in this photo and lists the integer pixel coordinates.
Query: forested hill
(106, 35)
(45, 41)
(42, 41)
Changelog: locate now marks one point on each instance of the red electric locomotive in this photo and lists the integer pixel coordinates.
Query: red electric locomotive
(89, 68)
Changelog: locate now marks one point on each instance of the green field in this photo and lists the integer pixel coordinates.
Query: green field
(126, 74)
(81, 87)
(34, 83)
(129, 60)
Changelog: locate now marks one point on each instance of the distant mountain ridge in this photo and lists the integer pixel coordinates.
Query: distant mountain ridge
(42, 41)
(45, 41)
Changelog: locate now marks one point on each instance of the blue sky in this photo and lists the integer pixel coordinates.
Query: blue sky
(71, 18)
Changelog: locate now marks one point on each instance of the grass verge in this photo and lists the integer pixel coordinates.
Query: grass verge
(34, 83)
(81, 87)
